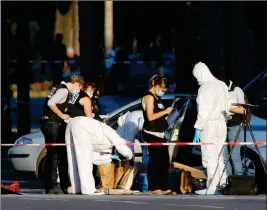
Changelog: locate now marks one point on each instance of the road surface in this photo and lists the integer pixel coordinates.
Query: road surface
(131, 202)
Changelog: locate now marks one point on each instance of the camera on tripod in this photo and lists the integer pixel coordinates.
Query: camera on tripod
(236, 183)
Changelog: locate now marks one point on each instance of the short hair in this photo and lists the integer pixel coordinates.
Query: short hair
(77, 79)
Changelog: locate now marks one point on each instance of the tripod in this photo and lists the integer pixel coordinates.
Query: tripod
(245, 125)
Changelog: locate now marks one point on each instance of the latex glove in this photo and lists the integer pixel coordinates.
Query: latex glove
(116, 157)
(197, 136)
(68, 120)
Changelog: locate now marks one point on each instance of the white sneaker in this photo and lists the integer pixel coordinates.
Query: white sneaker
(96, 193)
(205, 192)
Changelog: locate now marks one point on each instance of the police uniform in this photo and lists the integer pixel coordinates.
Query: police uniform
(50, 125)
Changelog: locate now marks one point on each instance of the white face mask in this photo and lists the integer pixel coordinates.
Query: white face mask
(89, 92)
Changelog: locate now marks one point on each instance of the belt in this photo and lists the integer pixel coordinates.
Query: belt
(44, 117)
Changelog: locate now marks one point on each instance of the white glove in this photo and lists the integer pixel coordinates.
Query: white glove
(67, 121)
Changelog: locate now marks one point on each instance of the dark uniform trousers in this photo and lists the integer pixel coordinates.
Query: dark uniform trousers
(56, 157)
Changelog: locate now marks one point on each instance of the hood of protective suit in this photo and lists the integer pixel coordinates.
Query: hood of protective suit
(202, 73)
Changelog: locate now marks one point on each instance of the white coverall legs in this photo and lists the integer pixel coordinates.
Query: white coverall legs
(214, 132)
(80, 159)
(91, 139)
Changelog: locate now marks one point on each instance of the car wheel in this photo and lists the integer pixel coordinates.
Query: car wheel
(40, 164)
(254, 167)
(41, 169)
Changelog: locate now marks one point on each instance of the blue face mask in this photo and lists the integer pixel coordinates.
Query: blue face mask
(74, 92)
(159, 93)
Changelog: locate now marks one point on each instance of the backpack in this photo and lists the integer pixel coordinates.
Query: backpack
(232, 99)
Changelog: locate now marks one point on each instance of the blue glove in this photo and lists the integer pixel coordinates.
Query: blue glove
(197, 136)
(116, 157)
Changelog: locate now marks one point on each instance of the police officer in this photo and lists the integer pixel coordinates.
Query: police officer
(52, 118)
(78, 105)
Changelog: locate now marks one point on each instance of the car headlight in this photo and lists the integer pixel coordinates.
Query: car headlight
(23, 140)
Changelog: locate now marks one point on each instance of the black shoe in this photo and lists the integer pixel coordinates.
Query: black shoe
(55, 191)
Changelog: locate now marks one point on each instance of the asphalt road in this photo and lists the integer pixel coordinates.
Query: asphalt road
(130, 202)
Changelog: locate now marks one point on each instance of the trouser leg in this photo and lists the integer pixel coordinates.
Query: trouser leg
(62, 159)
(72, 163)
(235, 156)
(158, 164)
(212, 158)
(210, 162)
(84, 155)
(95, 174)
(226, 152)
(50, 131)
(163, 159)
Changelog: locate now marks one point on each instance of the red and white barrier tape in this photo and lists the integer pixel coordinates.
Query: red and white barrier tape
(147, 144)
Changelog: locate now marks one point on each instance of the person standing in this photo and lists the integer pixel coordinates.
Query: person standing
(155, 53)
(58, 58)
(210, 126)
(93, 92)
(232, 128)
(153, 131)
(78, 105)
(51, 119)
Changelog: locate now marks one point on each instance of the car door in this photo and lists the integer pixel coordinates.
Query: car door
(183, 131)
(112, 122)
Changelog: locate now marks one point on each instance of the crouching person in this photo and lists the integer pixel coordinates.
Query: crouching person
(130, 127)
(93, 141)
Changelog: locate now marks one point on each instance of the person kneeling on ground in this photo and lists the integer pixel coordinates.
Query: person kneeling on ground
(93, 142)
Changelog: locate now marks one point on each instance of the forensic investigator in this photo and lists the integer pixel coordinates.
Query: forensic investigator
(93, 142)
(52, 118)
(130, 127)
(78, 104)
(154, 126)
(210, 126)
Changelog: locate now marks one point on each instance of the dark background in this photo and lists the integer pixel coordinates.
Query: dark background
(230, 37)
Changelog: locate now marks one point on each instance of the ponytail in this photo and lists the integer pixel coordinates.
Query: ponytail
(152, 80)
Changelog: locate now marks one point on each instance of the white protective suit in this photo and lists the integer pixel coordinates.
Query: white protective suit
(130, 125)
(212, 101)
(93, 141)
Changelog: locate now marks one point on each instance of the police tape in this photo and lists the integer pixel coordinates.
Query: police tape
(146, 144)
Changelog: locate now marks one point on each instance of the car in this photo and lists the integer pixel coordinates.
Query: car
(30, 159)
(27, 158)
